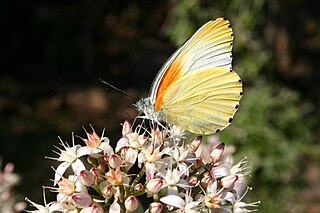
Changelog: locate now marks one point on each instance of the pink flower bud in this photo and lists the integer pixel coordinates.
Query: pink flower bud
(217, 152)
(207, 179)
(155, 207)
(193, 180)
(131, 203)
(19, 207)
(101, 168)
(228, 181)
(115, 161)
(106, 157)
(94, 171)
(194, 145)
(138, 188)
(107, 191)
(87, 178)
(126, 127)
(9, 168)
(97, 174)
(92, 209)
(154, 185)
(81, 200)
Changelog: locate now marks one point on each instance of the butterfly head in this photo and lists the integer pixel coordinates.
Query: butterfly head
(146, 107)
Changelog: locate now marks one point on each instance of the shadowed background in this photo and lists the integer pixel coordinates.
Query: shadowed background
(53, 53)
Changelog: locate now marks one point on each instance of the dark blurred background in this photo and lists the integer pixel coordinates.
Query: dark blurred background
(52, 54)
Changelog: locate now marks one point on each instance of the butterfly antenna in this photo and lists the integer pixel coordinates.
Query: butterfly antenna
(117, 89)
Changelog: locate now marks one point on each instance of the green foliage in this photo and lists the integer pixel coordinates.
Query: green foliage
(272, 127)
(273, 131)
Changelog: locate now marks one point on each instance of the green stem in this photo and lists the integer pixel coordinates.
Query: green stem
(156, 197)
(121, 198)
(137, 179)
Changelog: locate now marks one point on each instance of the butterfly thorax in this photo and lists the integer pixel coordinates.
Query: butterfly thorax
(147, 108)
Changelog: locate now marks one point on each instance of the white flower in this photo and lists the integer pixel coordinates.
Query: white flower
(172, 179)
(151, 158)
(176, 133)
(67, 187)
(238, 206)
(135, 142)
(179, 155)
(47, 208)
(69, 156)
(239, 170)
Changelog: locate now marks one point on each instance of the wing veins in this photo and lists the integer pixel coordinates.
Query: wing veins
(199, 118)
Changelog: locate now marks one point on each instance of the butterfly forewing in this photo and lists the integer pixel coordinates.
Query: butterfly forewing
(209, 47)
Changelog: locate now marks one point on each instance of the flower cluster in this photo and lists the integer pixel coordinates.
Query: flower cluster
(8, 200)
(176, 173)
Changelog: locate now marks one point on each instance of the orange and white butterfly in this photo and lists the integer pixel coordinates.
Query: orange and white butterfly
(196, 89)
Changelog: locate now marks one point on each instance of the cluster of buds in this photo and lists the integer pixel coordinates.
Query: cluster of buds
(174, 174)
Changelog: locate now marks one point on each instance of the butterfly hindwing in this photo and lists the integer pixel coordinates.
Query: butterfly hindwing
(204, 101)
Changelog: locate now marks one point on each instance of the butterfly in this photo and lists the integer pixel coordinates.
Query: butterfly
(196, 88)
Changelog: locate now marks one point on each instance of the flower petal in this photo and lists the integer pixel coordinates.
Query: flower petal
(77, 166)
(173, 190)
(150, 170)
(221, 171)
(115, 208)
(106, 148)
(39, 207)
(173, 200)
(87, 151)
(60, 171)
(212, 187)
(122, 143)
(131, 157)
